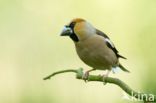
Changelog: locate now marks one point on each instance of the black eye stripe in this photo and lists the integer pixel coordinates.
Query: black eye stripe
(73, 35)
(72, 24)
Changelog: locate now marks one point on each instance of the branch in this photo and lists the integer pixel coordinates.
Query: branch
(139, 96)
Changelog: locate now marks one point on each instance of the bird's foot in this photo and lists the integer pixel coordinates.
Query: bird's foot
(104, 76)
(85, 76)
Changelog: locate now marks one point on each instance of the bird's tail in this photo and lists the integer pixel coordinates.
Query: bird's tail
(123, 68)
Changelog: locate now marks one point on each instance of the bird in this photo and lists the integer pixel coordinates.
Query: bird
(93, 47)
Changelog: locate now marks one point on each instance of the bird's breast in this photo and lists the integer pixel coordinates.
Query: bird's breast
(93, 52)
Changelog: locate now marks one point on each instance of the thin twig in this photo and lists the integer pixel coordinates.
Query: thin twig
(59, 72)
(79, 74)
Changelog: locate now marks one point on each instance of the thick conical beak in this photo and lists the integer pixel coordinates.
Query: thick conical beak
(67, 31)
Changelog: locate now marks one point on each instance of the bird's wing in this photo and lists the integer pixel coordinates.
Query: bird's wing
(109, 43)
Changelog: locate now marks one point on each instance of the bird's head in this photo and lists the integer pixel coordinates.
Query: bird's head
(78, 29)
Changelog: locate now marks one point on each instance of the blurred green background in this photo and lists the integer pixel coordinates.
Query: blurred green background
(31, 48)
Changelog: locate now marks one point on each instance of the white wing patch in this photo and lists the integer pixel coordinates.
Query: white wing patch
(111, 43)
(116, 69)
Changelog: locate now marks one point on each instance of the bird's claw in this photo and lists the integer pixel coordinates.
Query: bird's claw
(85, 76)
(104, 78)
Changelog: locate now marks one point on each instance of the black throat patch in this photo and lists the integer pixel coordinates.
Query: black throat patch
(73, 35)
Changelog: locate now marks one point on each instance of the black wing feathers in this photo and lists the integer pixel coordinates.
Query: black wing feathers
(111, 46)
(101, 33)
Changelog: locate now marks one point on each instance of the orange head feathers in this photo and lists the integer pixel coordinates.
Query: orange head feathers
(78, 29)
(77, 20)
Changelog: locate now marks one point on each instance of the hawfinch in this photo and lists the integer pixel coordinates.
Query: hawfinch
(93, 46)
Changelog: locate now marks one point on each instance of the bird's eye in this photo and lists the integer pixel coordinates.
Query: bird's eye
(72, 24)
